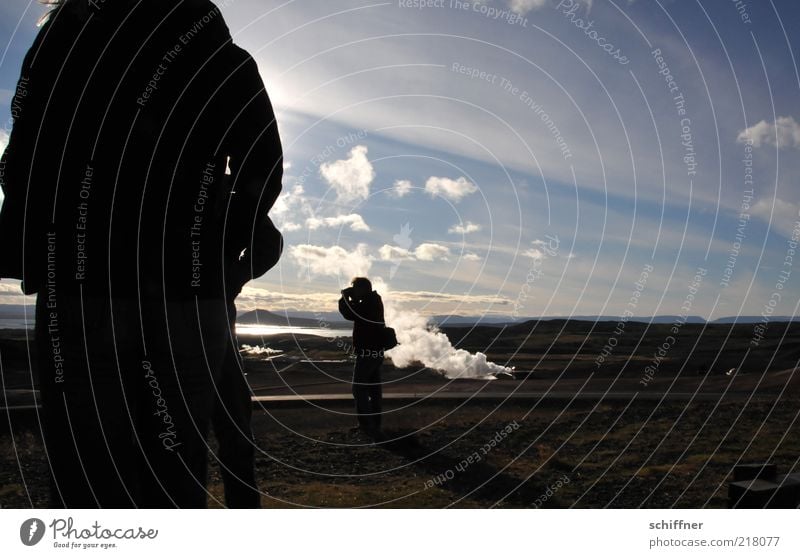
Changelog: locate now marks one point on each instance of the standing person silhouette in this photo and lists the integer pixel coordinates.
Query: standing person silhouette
(118, 216)
(364, 307)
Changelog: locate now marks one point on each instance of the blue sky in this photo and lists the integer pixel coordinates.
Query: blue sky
(523, 156)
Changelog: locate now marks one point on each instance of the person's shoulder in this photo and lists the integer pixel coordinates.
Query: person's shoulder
(201, 7)
(205, 16)
(240, 55)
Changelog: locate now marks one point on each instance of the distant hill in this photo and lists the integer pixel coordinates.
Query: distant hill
(754, 319)
(497, 321)
(265, 317)
(16, 311)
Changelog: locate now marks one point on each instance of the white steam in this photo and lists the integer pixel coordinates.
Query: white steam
(255, 350)
(421, 341)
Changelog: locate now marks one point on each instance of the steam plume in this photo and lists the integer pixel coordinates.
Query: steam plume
(258, 350)
(421, 341)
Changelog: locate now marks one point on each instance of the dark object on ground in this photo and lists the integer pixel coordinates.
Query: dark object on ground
(750, 471)
(765, 489)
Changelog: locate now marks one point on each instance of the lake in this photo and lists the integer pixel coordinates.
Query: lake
(243, 329)
(267, 330)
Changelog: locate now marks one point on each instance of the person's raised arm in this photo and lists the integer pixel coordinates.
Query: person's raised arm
(346, 306)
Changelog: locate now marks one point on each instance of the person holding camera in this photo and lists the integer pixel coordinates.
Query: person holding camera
(364, 307)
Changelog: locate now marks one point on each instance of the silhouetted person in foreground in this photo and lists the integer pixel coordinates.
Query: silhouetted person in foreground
(234, 409)
(364, 307)
(119, 216)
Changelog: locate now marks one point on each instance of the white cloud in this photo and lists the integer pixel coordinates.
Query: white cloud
(426, 252)
(3, 145)
(464, 228)
(331, 260)
(11, 292)
(784, 215)
(522, 7)
(288, 206)
(429, 252)
(353, 220)
(350, 177)
(3, 141)
(534, 253)
(401, 188)
(394, 253)
(453, 190)
(784, 133)
(472, 257)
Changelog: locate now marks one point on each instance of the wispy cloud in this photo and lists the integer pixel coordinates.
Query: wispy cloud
(426, 252)
(523, 7)
(464, 228)
(258, 297)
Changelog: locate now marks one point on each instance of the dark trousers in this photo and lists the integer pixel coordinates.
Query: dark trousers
(367, 390)
(127, 394)
(232, 417)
